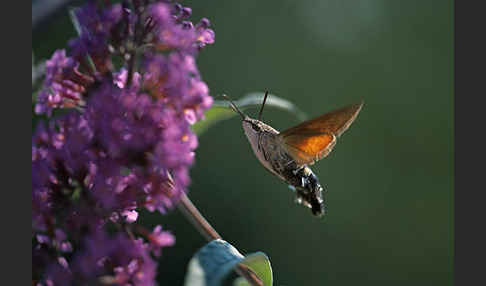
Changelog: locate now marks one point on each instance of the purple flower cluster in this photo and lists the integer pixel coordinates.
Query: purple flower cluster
(123, 141)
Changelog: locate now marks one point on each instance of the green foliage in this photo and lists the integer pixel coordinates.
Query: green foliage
(212, 263)
(212, 116)
(260, 264)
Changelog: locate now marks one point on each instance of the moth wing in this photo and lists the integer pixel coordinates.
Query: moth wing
(308, 148)
(334, 122)
(314, 139)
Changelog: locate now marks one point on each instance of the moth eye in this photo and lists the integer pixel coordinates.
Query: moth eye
(255, 127)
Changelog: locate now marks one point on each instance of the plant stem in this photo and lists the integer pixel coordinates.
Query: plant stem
(196, 218)
(203, 226)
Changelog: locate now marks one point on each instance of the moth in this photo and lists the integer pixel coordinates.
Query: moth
(288, 154)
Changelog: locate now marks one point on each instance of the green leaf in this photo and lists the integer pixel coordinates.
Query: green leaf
(260, 264)
(221, 109)
(240, 281)
(212, 116)
(212, 263)
(74, 20)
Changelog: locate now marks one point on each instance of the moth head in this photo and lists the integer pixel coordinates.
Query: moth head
(252, 125)
(252, 128)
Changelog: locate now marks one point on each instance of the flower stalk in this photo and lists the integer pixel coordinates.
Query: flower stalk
(196, 218)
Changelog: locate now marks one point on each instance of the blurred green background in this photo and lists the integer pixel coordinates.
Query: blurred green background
(389, 178)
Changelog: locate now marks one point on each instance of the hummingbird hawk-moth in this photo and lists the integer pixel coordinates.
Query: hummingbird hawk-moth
(289, 153)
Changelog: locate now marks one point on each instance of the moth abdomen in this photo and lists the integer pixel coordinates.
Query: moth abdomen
(307, 188)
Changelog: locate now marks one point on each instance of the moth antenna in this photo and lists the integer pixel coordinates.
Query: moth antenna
(263, 104)
(234, 107)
